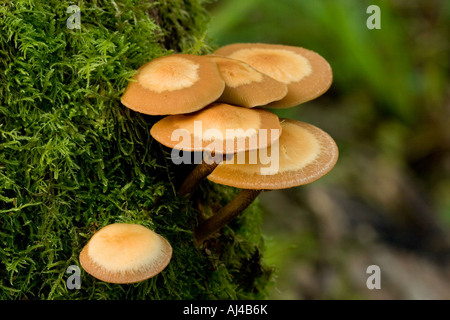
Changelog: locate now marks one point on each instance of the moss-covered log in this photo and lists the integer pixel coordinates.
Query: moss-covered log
(73, 159)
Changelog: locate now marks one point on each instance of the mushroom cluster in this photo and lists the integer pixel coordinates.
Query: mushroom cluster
(217, 104)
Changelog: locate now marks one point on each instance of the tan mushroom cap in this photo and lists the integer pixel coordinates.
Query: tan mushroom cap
(306, 153)
(246, 86)
(306, 73)
(125, 253)
(174, 84)
(219, 128)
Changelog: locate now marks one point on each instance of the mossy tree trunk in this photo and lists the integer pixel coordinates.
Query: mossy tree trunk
(73, 159)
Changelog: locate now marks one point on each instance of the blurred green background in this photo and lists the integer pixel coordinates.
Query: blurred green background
(387, 201)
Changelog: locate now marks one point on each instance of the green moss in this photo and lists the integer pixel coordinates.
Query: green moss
(73, 159)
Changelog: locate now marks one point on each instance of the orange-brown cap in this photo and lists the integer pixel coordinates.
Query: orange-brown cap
(245, 86)
(219, 128)
(305, 153)
(125, 253)
(174, 84)
(306, 73)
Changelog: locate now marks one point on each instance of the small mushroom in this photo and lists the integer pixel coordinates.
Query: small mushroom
(125, 253)
(306, 73)
(174, 84)
(306, 153)
(246, 86)
(218, 130)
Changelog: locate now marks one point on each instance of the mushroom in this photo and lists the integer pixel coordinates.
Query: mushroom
(305, 154)
(174, 84)
(306, 73)
(125, 253)
(217, 130)
(245, 86)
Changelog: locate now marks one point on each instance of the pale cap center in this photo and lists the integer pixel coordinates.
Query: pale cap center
(125, 248)
(283, 65)
(297, 148)
(236, 73)
(232, 123)
(168, 74)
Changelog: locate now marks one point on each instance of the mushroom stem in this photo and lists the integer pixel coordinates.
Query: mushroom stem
(196, 176)
(239, 203)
